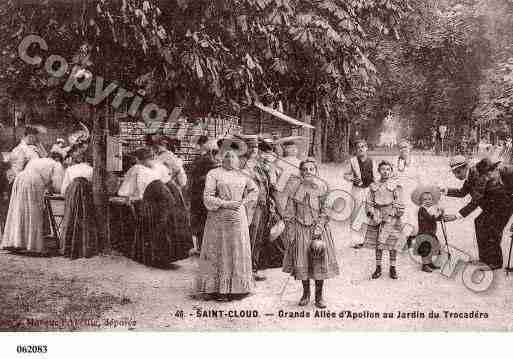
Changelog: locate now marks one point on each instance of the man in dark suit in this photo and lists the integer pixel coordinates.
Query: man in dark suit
(491, 189)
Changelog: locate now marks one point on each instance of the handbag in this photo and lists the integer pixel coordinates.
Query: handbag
(317, 244)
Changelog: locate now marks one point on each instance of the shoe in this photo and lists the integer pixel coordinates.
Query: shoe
(427, 268)
(393, 273)
(358, 246)
(305, 299)
(223, 298)
(377, 273)
(258, 278)
(433, 266)
(319, 301)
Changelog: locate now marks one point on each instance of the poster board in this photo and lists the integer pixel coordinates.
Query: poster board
(114, 154)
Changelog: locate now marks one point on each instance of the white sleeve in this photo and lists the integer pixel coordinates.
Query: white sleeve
(129, 185)
(66, 181)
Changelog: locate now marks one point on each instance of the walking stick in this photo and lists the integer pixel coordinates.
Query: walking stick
(508, 268)
(444, 232)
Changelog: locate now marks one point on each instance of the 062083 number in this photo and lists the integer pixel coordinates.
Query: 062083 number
(32, 349)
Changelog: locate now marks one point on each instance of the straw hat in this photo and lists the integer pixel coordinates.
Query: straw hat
(299, 141)
(417, 193)
(251, 140)
(457, 161)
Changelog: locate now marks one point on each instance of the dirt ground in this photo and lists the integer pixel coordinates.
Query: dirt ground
(114, 293)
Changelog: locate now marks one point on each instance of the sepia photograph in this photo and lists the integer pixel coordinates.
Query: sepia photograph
(255, 166)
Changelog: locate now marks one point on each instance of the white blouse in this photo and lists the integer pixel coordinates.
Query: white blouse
(136, 180)
(222, 186)
(49, 170)
(79, 170)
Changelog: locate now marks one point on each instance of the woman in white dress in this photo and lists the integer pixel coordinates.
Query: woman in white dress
(26, 216)
(408, 176)
(225, 261)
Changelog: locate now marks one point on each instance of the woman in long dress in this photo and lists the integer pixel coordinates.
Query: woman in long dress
(155, 242)
(79, 235)
(25, 223)
(176, 180)
(310, 224)
(225, 259)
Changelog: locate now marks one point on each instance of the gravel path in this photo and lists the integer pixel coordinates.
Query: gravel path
(114, 293)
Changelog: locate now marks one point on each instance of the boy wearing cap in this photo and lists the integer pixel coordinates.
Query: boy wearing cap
(361, 171)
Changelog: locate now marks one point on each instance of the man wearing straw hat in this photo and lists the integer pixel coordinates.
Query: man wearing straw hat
(361, 171)
(490, 191)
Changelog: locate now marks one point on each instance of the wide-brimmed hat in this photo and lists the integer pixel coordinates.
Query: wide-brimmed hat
(265, 145)
(299, 141)
(251, 140)
(417, 194)
(457, 161)
(487, 164)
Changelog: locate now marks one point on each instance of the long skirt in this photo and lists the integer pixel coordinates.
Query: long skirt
(25, 223)
(180, 222)
(225, 259)
(156, 243)
(298, 261)
(79, 232)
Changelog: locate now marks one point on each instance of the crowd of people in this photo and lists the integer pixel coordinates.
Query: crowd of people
(241, 217)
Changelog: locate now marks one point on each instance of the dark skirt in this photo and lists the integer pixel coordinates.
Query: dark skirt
(271, 255)
(161, 235)
(180, 219)
(79, 230)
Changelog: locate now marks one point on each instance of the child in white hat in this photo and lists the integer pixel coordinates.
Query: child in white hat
(427, 243)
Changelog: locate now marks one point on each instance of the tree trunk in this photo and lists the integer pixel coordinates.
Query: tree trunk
(318, 135)
(98, 142)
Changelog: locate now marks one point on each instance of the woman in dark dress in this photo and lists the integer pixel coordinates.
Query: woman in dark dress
(79, 235)
(157, 241)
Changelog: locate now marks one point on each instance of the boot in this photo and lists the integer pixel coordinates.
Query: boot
(319, 301)
(393, 273)
(433, 266)
(377, 273)
(426, 268)
(306, 294)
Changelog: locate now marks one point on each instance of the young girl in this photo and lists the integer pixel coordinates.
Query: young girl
(427, 198)
(384, 208)
(310, 254)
